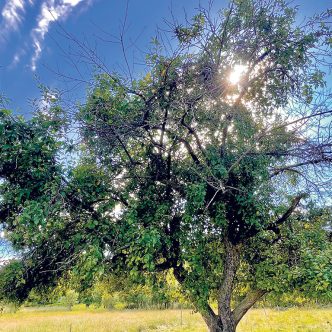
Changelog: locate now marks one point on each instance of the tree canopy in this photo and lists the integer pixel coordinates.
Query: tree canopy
(206, 166)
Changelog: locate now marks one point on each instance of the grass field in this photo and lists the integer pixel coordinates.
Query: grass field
(260, 320)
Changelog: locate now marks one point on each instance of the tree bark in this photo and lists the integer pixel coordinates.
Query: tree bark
(226, 320)
(242, 308)
(231, 263)
(210, 318)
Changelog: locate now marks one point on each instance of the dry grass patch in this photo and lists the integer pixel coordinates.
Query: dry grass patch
(257, 320)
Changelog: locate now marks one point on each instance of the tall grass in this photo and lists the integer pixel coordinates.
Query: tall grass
(79, 320)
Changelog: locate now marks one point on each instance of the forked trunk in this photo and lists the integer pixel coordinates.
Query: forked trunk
(224, 321)
(227, 319)
(218, 326)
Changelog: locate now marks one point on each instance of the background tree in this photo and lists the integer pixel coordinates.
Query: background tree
(200, 167)
(70, 298)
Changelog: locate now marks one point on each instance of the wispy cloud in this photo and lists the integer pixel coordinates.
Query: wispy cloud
(12, 15)
(51, 11)
(17, 57)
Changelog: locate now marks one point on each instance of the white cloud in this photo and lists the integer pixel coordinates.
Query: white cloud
(12, 15)
(12, 11)
(17, 57)
(51, 11)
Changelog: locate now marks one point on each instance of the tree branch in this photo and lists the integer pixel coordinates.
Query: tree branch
(209, 316)
(251, 298)
(304, 163)
(287, 214)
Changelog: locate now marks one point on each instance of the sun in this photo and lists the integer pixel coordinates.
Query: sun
(236, 74)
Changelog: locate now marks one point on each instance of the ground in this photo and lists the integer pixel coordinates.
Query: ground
(82, 320)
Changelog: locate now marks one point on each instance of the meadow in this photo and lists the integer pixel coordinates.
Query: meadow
(84, 320)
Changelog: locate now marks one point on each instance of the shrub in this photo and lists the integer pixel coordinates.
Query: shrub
(107, 301)
(70, 298)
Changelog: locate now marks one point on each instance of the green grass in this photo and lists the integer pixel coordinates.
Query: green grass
(82, 320)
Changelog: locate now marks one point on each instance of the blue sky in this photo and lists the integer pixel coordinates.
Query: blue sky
(33, 48)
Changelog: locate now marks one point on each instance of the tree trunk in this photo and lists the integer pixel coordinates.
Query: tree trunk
(226, 320)
(231, 263)
(215, 326)
(212, 320)
(230, 319)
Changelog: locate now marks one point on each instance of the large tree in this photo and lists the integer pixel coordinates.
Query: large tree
(201, 167)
